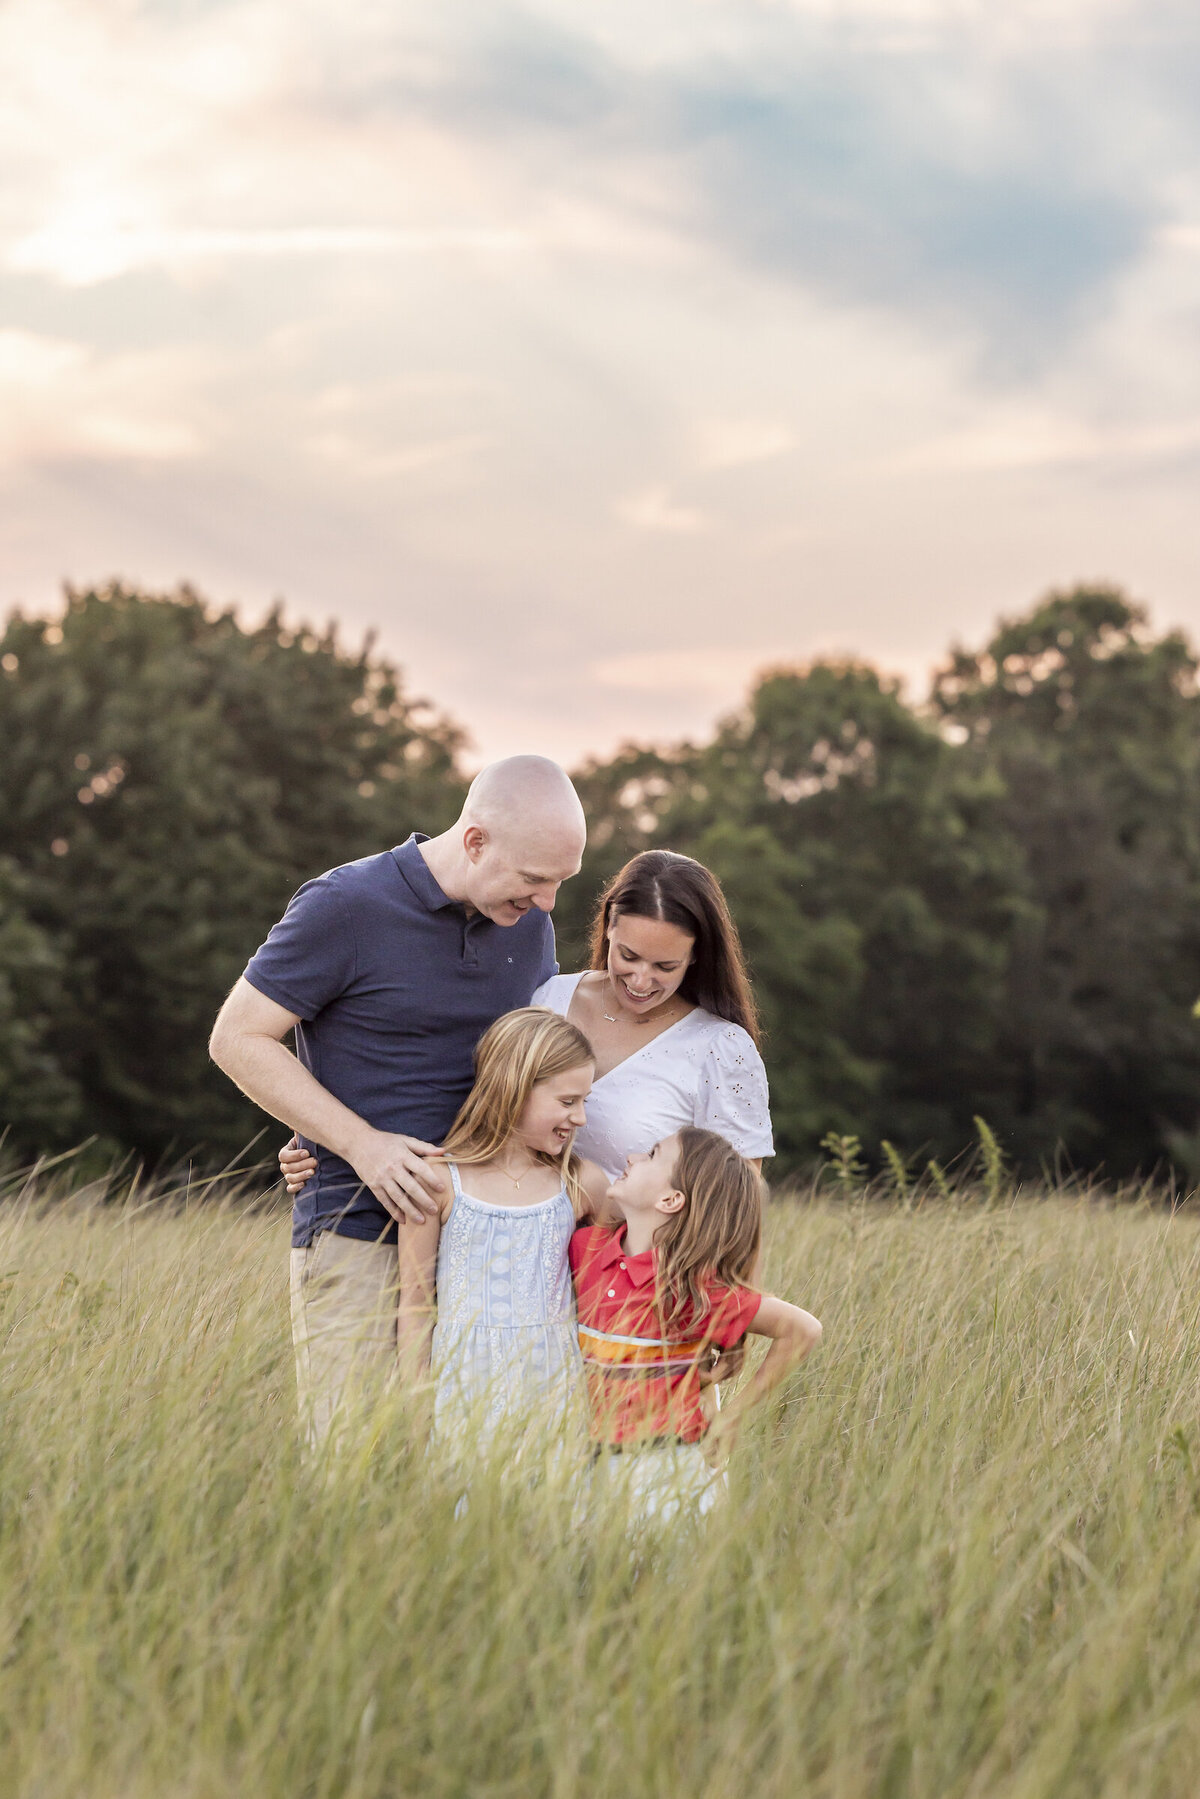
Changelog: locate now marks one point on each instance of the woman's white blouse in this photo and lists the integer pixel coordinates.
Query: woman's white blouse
(702, 1070)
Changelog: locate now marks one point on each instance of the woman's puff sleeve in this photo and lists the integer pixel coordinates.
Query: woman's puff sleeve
(733, 1097)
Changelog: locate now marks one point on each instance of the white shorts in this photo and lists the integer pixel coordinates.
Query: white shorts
(661, 1483)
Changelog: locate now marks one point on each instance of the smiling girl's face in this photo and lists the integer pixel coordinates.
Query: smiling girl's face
(555, 1110)
(647, 960)
(648, 1180)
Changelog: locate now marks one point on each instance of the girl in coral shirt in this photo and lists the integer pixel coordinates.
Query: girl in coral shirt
(656, 1295)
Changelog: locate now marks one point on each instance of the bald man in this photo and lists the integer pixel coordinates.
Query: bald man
(389, 970)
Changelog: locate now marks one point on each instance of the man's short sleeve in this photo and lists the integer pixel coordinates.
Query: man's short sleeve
(309, 957)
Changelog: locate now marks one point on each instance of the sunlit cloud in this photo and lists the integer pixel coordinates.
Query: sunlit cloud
(81, 255)
(1180, 236)
(29, 362)
(653, 509)
(598, 357)
(362, 459)
(736, 443)
(1030, 441)
(59, 400)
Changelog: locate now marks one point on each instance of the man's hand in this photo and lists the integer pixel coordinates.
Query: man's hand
(297, 1166)
(412, 1173)
(400, 1174)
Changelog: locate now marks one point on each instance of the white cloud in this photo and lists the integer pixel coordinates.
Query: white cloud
(59, 399)
(29, 362)
(1180, 236)
(1034, 440)
(736, 443)
(1015, 21)
(653, 509)
(80, 253)
(359, 459)
(379, 307)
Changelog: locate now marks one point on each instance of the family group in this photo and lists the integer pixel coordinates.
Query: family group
(537, 1189)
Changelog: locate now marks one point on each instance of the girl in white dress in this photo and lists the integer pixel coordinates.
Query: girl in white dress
(491, 1265)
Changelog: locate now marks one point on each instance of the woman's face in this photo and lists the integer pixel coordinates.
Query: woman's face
(647, 959)
(554, 1110)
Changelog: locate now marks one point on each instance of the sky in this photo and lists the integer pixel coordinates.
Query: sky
(597, 357)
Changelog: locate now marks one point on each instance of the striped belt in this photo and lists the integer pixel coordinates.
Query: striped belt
(633, 1355)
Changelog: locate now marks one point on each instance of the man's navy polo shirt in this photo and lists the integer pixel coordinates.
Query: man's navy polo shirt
(394, 985)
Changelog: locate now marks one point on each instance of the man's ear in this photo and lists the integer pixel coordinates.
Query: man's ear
(670, 1204)
(475, 841)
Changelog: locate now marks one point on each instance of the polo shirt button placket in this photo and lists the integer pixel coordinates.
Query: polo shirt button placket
(470, 949)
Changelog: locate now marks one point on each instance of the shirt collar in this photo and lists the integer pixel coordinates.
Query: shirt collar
(416, 872)
(639, 1268)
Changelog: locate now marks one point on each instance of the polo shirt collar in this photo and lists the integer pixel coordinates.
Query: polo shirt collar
(416, 872)
(640, 1268)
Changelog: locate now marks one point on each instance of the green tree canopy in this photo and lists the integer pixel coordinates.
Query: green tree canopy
(986, 904)
(40, 1104)
(168, 777)
(983, 905)
(873, 886)
(1092, 726)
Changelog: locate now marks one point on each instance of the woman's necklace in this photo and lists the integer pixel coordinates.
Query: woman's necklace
(611, 1018)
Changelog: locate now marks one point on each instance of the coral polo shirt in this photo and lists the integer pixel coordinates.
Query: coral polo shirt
(643, 1382)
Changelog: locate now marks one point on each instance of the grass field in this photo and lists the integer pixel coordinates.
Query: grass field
(962, 1555)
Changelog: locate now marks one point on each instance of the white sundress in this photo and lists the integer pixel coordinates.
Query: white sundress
(701, 1070)
(505, 1349)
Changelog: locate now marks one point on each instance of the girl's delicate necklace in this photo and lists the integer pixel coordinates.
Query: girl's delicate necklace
(512, 1177)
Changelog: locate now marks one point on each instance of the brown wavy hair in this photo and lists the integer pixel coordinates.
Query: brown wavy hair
(715, 1236)
(663, 885)
(522, 1048)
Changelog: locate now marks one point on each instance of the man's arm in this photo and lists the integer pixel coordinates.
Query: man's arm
(247, 1044)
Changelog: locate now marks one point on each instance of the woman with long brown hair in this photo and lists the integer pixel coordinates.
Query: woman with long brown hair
(667, 1007)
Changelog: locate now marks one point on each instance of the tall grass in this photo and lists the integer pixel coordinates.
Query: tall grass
(961, 1555)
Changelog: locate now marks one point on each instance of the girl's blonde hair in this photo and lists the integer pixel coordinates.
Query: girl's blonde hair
(513, 1055)
(716, 1234)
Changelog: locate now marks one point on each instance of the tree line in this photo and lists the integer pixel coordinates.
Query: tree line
(985, 904)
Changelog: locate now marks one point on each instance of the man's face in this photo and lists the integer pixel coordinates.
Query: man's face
(510, 876)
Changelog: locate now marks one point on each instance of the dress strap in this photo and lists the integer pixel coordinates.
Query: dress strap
(455, 1183)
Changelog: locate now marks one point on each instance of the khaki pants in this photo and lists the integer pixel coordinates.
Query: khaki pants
(344, 1300)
